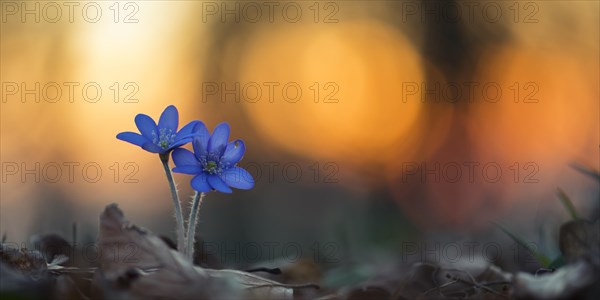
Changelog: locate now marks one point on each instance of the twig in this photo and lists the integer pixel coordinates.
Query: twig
(274, 271)
(449, 283)
(472, 282)
(289, 286)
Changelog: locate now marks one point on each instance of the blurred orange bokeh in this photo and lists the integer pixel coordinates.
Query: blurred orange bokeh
(338, 96)
(351, 108)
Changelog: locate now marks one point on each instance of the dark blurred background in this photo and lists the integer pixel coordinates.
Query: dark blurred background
(367, 123)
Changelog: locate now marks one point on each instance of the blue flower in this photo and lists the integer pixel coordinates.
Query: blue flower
(213, 161)
(163, 137)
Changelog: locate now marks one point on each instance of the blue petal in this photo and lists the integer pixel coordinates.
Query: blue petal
(179, 143)
(184, 157)
(199, 144)
(189, 129)
(151, 147)
(238, 178)
(218, 140)
(200, 184)
(234, 152)
(201, 129)
(146, 126)
(169, 119)
(218, 184)
(132, 137)
(188, 169)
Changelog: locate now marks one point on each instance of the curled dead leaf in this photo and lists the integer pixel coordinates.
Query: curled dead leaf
(137, 264)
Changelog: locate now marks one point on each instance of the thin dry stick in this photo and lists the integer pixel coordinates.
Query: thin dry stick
(471, 281)
(440, 287)
(289, 286)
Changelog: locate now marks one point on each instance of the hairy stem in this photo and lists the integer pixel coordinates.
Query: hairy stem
(192, 221)
(164, 158)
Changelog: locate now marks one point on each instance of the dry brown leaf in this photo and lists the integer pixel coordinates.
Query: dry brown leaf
(136, 264)
(252, 286)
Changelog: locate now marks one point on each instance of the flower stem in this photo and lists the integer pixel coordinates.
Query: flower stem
(192, 221)
(164, 158)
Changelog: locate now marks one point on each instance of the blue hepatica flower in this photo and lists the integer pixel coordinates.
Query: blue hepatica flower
(163, 137)
(213, 161)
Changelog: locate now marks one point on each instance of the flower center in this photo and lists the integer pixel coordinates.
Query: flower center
(210, 167)
(212, 164)
(165, 138)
